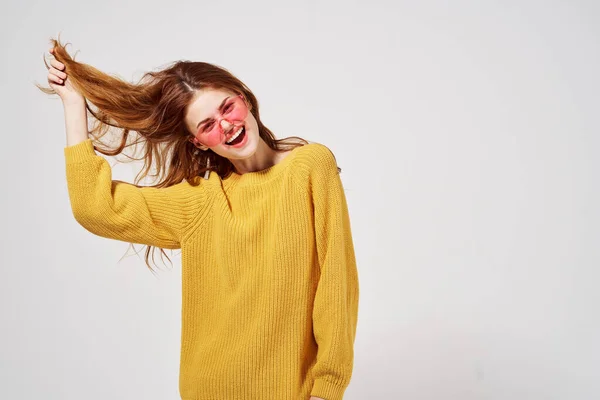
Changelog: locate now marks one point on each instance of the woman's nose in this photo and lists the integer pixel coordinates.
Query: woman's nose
(225, 124)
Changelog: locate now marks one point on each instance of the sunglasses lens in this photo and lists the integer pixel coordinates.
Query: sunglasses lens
(211, 138)
(235, 110)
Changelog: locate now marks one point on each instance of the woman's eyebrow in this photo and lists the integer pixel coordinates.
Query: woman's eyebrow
(220, 110)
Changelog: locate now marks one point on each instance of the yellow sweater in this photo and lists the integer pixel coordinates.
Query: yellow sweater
(270, 284)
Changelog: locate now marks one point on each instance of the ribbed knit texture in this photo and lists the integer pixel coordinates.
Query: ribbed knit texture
(269, 277)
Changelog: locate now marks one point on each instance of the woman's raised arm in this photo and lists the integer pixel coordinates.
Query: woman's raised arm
(115, 209)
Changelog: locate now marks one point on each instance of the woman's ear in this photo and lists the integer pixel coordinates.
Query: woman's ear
(195, 142)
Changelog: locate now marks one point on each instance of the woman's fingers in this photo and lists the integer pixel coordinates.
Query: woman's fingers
(57, 64)
(55, 73)
(58, 73)
(53, 77)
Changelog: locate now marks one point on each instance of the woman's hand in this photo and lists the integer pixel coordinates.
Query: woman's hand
(58, 81)
(316, 398)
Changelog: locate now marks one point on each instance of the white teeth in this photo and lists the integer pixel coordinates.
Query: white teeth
(236, 135)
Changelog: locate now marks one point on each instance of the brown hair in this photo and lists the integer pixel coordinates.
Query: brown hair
(154, 108)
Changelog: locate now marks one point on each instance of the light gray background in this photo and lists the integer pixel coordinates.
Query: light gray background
(467, 132)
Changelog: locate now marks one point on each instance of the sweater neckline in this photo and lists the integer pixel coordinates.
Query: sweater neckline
(263, 174)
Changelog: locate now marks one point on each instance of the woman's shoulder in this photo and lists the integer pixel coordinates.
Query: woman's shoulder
(315, 156)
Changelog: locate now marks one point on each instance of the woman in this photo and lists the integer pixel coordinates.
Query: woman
(270, 284)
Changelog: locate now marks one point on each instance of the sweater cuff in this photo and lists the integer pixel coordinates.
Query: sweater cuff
(327, 390)
(79, 152)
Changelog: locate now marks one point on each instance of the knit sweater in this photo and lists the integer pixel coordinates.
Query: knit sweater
(269, 277)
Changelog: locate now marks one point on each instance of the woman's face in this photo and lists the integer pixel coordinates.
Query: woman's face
(220, 120)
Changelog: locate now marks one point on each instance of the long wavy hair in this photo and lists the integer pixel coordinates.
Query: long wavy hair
(151, 113)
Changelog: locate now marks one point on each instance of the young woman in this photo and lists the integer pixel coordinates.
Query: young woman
(270, 283)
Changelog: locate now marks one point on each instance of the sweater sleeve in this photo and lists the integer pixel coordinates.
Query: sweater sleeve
(115, 209)
(335, 309)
